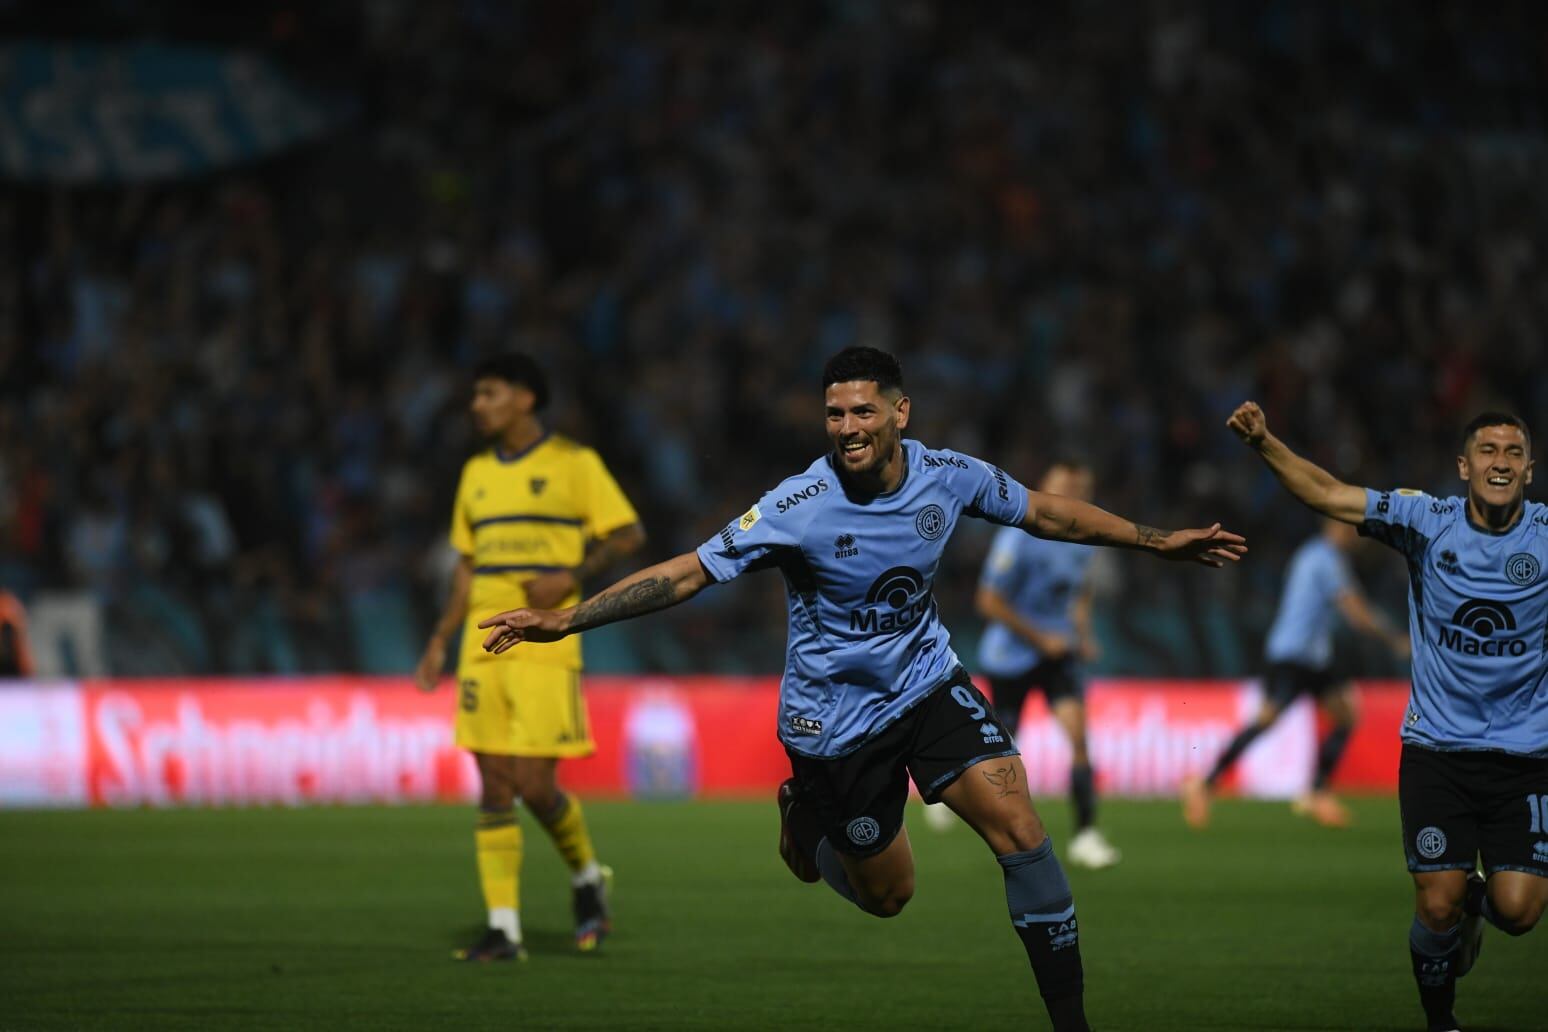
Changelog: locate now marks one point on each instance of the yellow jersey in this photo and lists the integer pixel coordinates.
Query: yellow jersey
(523, 515)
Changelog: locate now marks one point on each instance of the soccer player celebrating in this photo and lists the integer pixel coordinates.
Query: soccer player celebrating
(1474, 771)
(1319, 587)
(872, 692)
(1036, 595)
(525, 512)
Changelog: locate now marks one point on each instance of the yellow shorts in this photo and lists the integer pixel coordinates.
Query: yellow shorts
(522, 709)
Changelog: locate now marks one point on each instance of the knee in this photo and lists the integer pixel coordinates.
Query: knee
(542, 801)
(889, 900)
(496, 795)
(1438, 908)
(1018, 835)
(1515, 913)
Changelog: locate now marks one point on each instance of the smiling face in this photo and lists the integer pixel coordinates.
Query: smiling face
(865, 425)
(1497, 468)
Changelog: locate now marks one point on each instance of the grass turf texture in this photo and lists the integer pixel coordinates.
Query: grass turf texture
(326, 918)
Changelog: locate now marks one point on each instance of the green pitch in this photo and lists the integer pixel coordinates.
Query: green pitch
(332, 918)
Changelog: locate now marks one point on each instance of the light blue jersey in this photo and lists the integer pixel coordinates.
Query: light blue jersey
(1308, 612)
(1478, 619)
(1041, 579)
(865, 640)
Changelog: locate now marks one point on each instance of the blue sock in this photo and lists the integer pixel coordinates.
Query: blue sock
(833, 872)
(1434, 956)
(1043, 912)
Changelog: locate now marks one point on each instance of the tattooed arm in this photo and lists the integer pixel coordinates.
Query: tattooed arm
(1069, 519)
(655, 587)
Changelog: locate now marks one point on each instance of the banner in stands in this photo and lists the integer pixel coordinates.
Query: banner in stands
(105, 112)
(352, 740)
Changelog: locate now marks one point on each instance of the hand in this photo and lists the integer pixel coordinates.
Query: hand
(515, 626)
(1090, 651)
(550, 589)
(1400, 646)
(1249, 424)
(428, 673)
(1210, 546)
(1054, 646)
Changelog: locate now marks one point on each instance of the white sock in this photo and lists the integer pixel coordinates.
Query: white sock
(505, 919)
(591, 874)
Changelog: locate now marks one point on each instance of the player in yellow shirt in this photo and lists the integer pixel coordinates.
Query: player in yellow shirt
(536, 514)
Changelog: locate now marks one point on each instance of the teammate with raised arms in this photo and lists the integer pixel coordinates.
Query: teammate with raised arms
(872, 691)
(1473, 778)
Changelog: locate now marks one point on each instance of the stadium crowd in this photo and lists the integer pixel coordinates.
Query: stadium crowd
(232, 411)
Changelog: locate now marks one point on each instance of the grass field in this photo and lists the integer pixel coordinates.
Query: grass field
(334, 918)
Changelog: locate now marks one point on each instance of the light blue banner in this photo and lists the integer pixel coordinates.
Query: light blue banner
(93, 113)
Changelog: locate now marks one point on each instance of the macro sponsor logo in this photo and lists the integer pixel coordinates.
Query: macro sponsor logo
(794, 499)
(1474, 625)
(844, 547)
(941, 461)
(730, 545)
(895, 601)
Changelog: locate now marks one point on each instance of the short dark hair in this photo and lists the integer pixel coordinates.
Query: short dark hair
(514, 367)
(862, 363)
(1495, 418)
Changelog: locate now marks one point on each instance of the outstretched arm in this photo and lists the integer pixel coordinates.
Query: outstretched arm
(1309, 482)
(655, 587)
(1068, 519)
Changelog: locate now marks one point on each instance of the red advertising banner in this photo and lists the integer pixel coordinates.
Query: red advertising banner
(356, 739)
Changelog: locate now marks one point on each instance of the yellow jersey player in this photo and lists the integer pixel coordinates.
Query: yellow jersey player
(527, 509)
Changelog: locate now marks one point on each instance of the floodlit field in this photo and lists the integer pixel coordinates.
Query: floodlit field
(334, 918)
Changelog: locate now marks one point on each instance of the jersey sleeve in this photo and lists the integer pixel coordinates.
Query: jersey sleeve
(1405, 520)
(1003, 565)
(607, 508)
(462, 523)
(986, 490)
(754, 538)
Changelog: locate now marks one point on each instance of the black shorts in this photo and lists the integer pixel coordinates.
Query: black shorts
(858, 798)
(1058, 678)
(1286, 682)
(1458, 804)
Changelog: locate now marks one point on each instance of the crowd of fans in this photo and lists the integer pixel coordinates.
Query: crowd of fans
(232, 411)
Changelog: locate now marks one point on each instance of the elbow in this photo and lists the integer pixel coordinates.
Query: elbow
(984, 604)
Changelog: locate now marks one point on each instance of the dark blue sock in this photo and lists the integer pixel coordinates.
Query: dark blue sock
(1083, 795)
(1434, 957)
(1329, 753)
(1245, 737)
(1043, 912)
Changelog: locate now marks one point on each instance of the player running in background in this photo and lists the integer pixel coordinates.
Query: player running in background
(872, 692)
(1035, 594)
(1319, 587)
(525, 512)
(1473, 778)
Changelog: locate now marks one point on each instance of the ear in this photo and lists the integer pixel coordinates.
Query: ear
(1527, 477)
(1464, 469)
(902, 407)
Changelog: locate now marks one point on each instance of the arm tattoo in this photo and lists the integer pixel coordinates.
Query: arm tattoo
(1002, 778)
(608, 551)
(641, 597)
(1147, 536)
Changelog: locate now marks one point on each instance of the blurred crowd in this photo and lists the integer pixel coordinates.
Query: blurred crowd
(232, 411)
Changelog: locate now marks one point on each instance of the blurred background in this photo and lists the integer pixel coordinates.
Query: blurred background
(247, 257)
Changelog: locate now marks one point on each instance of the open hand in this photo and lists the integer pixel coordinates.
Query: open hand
(428, 672)
(515, 626)
(1249, 423)
(1210, 546)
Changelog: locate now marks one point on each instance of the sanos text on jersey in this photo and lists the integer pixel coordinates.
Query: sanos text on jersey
(790, 501)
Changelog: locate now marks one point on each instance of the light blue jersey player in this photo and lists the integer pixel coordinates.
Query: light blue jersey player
(1473, 779)
(1319, 588)
(1035, 596)
(872, 692)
